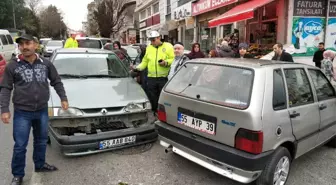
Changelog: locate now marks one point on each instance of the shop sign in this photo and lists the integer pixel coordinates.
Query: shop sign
(190, 21)
(332, 9)
(181, 12)
(308, 32)
(331, 34)
(142, 24)
(203, 6)
(310, 8)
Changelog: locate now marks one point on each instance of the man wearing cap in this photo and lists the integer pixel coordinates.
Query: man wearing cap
(71, 42)
(158, 58)
(243, 47)
(179, 60)
(28, 74)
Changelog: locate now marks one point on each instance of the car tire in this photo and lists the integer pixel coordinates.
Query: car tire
(280, 155)
(332, 142)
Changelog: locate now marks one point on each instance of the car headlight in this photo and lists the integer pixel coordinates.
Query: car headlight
(136, 107)
(71, 112)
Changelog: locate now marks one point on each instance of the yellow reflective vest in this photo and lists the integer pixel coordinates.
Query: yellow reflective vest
(71, 43)
(153, 55)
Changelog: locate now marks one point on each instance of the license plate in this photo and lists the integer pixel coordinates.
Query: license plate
(197, 124)
(116, 142)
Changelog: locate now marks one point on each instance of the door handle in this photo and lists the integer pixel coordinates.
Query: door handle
(322, 106)
(294, 115)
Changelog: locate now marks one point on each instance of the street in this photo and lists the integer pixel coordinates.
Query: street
(148, 167)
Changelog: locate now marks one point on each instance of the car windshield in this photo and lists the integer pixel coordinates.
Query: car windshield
(87, 65)
(132, 52)
(55, 43)
(44, 42)
(224, 85)
(89, 43)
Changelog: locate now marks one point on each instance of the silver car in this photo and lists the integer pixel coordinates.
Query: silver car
(108, 109)
(51, 46)
(246, 119)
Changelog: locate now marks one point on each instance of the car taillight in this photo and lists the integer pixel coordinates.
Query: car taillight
(161, 112)
(249, 141)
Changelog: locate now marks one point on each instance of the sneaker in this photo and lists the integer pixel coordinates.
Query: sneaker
(46, 168)
(17, 181)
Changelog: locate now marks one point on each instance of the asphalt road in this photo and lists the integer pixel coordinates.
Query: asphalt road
(152, 167)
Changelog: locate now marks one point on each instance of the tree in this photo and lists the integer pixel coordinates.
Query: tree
(52, 24)
(33, 5)
(6, 12)
(110, 16)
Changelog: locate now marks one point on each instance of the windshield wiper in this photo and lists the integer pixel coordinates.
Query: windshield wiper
(103, 76)
(72, 76)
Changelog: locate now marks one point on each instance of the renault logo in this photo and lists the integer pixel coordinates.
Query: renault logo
(103, 111)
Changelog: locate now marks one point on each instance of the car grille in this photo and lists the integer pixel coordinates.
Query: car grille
(97, 110)
(109, 126)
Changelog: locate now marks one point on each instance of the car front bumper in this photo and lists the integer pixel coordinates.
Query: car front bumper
(89, 144)
(224, 160)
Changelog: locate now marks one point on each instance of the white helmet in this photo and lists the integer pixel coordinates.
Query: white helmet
(153, 34)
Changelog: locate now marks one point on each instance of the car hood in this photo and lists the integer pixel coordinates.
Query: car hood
(99, 93)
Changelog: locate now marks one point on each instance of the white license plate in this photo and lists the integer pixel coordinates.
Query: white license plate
(116, 142)
(197, 124)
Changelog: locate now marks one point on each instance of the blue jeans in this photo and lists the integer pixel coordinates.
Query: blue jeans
(23, 122)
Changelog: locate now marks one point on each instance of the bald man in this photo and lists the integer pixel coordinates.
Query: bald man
(179, 60)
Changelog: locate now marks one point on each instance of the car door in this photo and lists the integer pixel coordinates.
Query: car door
(326, 97)
(303, 109)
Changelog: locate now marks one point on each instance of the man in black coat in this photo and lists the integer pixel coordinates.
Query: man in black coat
(318, 56)
(281, 54)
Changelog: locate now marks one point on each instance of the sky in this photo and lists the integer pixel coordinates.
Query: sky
(74, 11)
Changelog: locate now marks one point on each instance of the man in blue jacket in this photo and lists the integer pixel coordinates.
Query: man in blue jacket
(28, 74)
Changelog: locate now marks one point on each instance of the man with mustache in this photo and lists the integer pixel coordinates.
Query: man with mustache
(28, 74)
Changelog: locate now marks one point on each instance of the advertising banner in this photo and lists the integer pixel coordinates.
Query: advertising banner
(308, 32)
(331, 28)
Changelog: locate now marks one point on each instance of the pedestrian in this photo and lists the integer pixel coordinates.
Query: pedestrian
(71, 42)
(196, 52)
(179, 60)
(143, 74)
(318, 55)
(243, 51)
(213, 54)
(28, 75)
(327, 64)
(158, 59)
(224, 50)
(117, 46)
(280, 54)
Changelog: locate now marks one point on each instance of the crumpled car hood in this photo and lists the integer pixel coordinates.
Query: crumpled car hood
(99, 93)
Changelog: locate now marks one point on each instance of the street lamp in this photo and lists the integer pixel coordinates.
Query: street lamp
(13, 15)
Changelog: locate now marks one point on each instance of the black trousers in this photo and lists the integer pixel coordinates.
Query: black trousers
(154, 87)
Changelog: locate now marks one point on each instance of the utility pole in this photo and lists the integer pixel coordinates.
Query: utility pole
(13, 15)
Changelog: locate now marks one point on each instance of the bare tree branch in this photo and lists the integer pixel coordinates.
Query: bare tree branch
(33, 5)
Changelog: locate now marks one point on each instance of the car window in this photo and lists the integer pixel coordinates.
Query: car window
(3, 40)
(224, 85)
(298, 87)
(87, 43)
(324, 89)
(10, 40)
(104, 41)
(55, 43)
(44, 42)
(279, 91)
(89, 64)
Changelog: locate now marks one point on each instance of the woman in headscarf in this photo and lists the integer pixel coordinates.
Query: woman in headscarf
(196, 52)
(327, 64)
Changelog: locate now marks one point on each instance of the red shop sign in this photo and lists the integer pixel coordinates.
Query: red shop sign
(203, 6)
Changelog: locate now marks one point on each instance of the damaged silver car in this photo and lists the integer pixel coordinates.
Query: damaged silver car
(108, 109)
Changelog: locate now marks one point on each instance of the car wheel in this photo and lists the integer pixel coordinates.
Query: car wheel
(277, 170)
(332, 142)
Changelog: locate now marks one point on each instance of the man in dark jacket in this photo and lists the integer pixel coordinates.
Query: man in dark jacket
(281, 54)
(29, 75)
(318, 56)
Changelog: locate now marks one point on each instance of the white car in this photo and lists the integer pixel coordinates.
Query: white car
(7, 46)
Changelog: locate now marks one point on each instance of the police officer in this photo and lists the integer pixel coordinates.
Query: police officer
(158, 58)
(71, 42)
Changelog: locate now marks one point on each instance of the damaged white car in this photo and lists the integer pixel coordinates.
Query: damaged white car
(108, 109)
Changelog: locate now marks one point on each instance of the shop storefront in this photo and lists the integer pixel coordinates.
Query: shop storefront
(259, 22)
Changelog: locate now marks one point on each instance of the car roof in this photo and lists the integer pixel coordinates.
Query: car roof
(250, 63)
(91, 38)
(83, 50)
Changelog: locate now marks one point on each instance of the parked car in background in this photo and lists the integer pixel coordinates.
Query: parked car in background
(92, 42)
(109, 110)
(252, 119)
(51, 46)
(7, 46)
(132, 51)
(2, 66)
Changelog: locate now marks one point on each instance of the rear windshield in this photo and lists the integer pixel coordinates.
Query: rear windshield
(86, 43)
(55, 43)
(224, 85)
